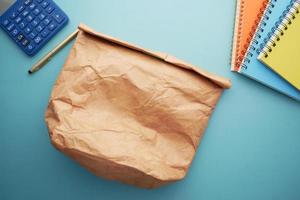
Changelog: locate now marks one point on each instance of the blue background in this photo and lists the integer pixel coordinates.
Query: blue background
(251, 149)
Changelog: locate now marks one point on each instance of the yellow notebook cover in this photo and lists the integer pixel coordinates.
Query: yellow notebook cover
(282, 52)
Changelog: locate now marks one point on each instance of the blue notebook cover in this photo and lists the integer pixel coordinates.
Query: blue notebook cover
(251, 66)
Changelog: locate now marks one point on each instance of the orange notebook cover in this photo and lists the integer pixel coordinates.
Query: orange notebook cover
(248, 15)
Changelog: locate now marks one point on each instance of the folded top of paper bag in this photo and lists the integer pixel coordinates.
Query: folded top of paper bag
(222, 82)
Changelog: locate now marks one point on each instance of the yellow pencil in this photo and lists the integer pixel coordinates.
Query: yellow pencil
(49, 55)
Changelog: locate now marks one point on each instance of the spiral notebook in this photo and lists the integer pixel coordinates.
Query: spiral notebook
(282, 52)
(248, 14)
(251, 66)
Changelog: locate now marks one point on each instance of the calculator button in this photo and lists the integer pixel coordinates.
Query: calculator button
(32, 6)
(28, 29)
(5, 22)
(42, 16)
(52, 26)
(35, 22)
(29, 18)
(38, 39)
(58, 17)
(18, 20)
(27, 2)
(10, 27)
(21, 8)
(47, 21)
(22, 24)
(49, 9)
(25, 42)
(45, 4)
(32, 35)
(15, 32)
(45, 33)
(25, 13)
(40, 27)
(20, 37)
(13, 15)
(36, 11)
(30, 47)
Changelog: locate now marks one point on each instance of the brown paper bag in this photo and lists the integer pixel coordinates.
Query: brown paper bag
(129, 114)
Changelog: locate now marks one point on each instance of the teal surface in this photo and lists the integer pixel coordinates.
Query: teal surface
(251, 149)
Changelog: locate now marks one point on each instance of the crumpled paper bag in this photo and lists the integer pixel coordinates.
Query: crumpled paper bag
(129, 114)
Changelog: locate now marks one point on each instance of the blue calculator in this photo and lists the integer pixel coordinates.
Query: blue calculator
(31, 23)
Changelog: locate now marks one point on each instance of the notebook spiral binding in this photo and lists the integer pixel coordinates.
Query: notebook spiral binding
(284, 22)
(253, 49)
(237, 31)
(253, 30)
(240, 22)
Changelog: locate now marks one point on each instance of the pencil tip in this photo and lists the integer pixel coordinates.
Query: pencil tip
(29, 72)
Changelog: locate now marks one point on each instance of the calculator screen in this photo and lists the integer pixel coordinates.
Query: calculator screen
(5, 4)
